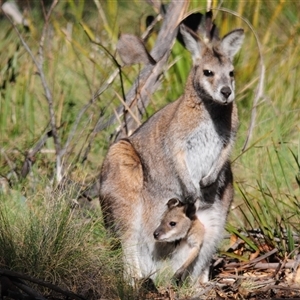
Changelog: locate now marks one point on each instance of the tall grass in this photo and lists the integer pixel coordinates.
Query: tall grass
(40, 234)
(46, 237)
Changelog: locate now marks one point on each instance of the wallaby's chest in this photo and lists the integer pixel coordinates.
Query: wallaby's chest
(203, 147)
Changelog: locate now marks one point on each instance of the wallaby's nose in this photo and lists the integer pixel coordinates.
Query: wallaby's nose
(226, 91)
(156, 234)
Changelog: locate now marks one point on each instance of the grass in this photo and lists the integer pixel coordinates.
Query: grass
(41, 234)
(46, 236)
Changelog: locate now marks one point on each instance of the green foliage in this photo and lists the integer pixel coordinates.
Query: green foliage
(272, 204)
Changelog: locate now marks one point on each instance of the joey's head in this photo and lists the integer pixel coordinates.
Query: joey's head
(175, 223)
(213, 71)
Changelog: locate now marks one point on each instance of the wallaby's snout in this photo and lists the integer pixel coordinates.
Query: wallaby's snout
(226, 92)
(156, 234)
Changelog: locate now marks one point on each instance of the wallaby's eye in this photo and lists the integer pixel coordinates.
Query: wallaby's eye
(208, 73)
(172, 224)
(231, 74)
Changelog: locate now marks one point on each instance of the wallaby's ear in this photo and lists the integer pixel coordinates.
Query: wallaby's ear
(191, 41)
(173, 202)
(132, 50)
(232, 42)
(190, 211)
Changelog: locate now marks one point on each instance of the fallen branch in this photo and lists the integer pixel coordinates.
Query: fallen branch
(16, 277)
(251, 263)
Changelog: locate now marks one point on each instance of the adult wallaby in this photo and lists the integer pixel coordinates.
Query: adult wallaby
(180, 224)
(181, 152)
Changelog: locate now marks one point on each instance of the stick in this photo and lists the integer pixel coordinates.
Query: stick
(14, 275)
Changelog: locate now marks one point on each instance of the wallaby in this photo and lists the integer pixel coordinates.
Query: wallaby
(181, 152)
(180, 222)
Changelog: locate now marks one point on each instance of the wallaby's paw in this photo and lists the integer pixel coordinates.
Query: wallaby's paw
(177, 277)
(206, 181)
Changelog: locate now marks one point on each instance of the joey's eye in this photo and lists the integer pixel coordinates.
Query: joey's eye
(172, 224)
(208, 73)
(231, 74)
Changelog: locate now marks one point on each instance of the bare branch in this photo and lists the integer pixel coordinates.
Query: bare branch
(136, 119)
(147, 82)
(16, 276)
(49, 97)
(30, 157)
(48, 94)
(101, 90)
(112, 58)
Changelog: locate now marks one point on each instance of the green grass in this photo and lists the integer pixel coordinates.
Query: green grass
(69, 246)
(47, 237)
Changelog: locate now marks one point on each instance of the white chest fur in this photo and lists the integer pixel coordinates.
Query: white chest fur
(203, 147)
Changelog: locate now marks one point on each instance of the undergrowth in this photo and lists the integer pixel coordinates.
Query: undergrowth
(48, 236)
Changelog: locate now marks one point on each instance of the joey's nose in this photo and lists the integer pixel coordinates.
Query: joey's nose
(156, 234)
(226, 91)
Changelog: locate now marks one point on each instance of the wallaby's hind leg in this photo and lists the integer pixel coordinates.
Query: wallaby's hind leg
(121, 184)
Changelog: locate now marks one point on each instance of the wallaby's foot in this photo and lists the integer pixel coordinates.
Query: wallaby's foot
(147, 284)
(177, 277)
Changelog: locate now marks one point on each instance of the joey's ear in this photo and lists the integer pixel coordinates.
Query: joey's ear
(173, 202)
(191, 41)
(232, 42)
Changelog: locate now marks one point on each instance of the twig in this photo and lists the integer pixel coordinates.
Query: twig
(101, 90)
(136, 119)
(114, 61)
(11, 165)
(250, 263)
(29, 159)
(149, 29)
(227, 275)
(48, 95)
(148, 80)
(258, 95)
(280, 287)
(280, 265)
